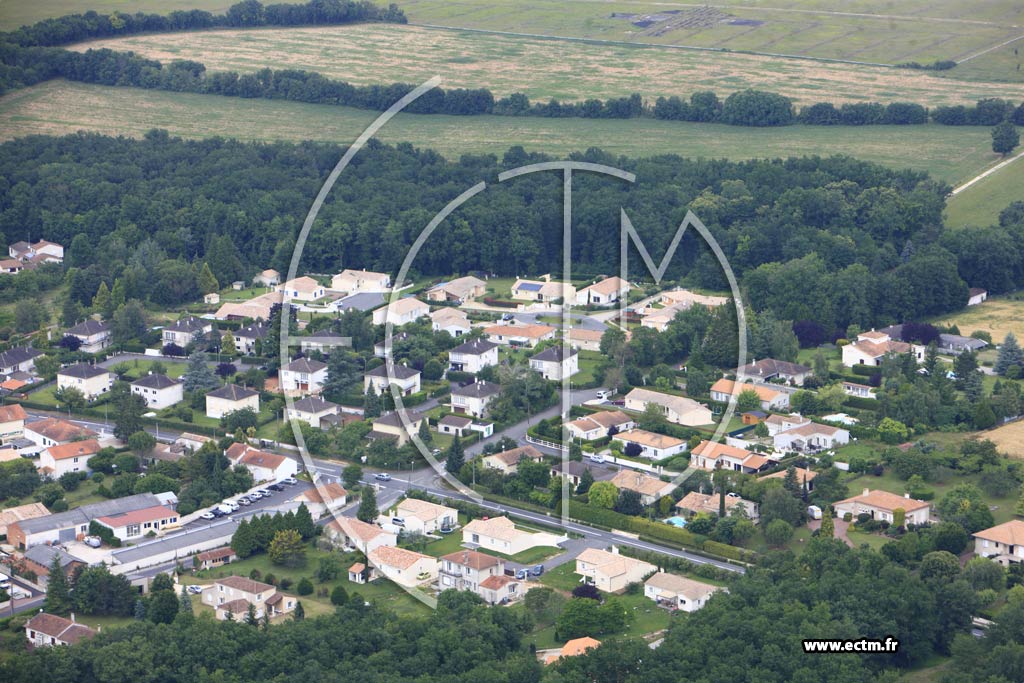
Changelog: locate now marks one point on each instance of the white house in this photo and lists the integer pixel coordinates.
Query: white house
(302, 289)
(323, 498)
(362, 536)
(426, 517)
(473, 399)
(769, 368)
(182, 332)
(267, 278)
(976, 295)
(19, 359)
(352, 281)
(391, 426)
(769, 398)
(138, 524)
(234, 594)
(597, 424)
(404, 567)
(312, 410)
(230, 398)
(94, 335)
(52, 431)
(709, 455)
(262, 465)
(60, 459)
(696, 502)
(48, 630)
(585, 340)
(676, 409)
(810, 436)
(650, 488)
(469, 570)
(473, 356)
(304, 376)
(247, 336)
(858, 390)
(91, 380)
(401, 312)
(500, 535)
(678, 592)
(610, 571)
(551, 364)
(871, 347)
(508, 461)
(651, 445)
(520, 335)
(543, 290)
(881, 505)
(158, 391)
(12, 422)
(407, 379)
(604, 292)
(450, 320)
(458, 290)
(1003, 543)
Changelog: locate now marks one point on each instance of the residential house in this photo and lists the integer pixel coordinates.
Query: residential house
(136, 524)
(543, 290)
(804, 477)
(192, 442)
(976, 295)
(246, 337)
(302, 288)
(881, 505)
(60, 459)
(651, 445)
(811, 437)
(501, 535)
(573, 648)
(426, 517)
(659, 318)
(553, 364)
(94, 335)
(53, 430)
(688, 299)
(218, 557)
(256, 308)
(40, 252)
(871, 347)
(391, 426)
(585, 340)
(20, 512)
(609, 571)
(456, 425)
(323, 342)
(678, 592)
(47, 630)
(380, 378)
(358, 573)
(771, 369)
(262, 465)
(184, 331)
(473, 399)
(473, 356)
(676, 409)
(234, 594)
(312, 410)
(858, 390)
(267, 278)
(158, 391)
(12, 423)
(11, 266)
(507, 462)
(770, 399)
(323, 498)
(604, 292)
(304, 376)
(520, 335)
(458, 290)
(404, 567)
(468, 570)
(450, 320)
(695, 502)
(360, 281)
(401, 312)
(650, 488)
(362, 536)
(91, 380)
(599, 424)
(777, 424)
(955, 344)
(18, 359)
(62, 527)
(573, 470)
(230, 398)
(211, 298)
(39, 558)
(1003, 543)
(712, 456)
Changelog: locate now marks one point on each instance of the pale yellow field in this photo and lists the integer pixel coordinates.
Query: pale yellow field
(995, 316)
(1009, 438)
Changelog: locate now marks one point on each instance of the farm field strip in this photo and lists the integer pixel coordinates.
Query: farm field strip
(981, 202)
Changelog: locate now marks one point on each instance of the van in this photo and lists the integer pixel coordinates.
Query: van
(604, 394)
(597, 458)
(224, 509)
(814, 512)
(398, 521)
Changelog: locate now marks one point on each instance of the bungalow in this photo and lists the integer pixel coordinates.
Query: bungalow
(553, 364)
(610, 571)
(858, 390)
(768, 369)
(501, 535)
(211, 298)
(52, 431)
(230, 398)
(688, 299)
(770, 399)
(404, 567)
(39, 558)
(695, 502)
(323, 498)
(360, 281)
(267, 278)
(94, 335)
(48, 251)
(678, 592)
(192, 442)
(468, 570)
(712, 456)
(312, 410)
(651, 445)
(158, 391)
(659, 318)
(60, 459)
(450, 320)
(458, 290)
(804, 476)
(976, 295)
(599, 424)
(507, 462)
(456, 425)
(573, 470)
(542, 290)
(401, 312)
(585, 340)
(136, 524)
(811, 436)
(47, 630)
(186, 330)
(473, 356)
(20, 512)
(323, 341)
(473, 399)
(304, 376)
(955, 344)
(234, 594)
(573, 648)
(12, 423)
(881, 505)
(871, 347)
(215, 558)
(62, 527)
(257, 308)
(1003, 543)
(391, 426)
(91, 380)
(19, 359)
(355, 533)
(11, 266)
(380, 378)
(650, 488)
(603, 292)
(302, 288)
(426, 517)
(520, 335)
(262, 465)
(676, 409)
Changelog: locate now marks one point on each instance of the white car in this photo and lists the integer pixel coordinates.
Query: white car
(194, 590)
(231, 504)
(263, 492)
(255, 495)
(291, 481)
(207, 515)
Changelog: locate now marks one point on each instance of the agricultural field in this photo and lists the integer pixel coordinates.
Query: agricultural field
(997, 316)
(17, 13)
(543, 68)
(61, 107)
(981, 203)
(1009, 438)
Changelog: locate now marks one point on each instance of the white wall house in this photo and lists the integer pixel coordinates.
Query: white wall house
(1003, 543)
(407, 379)
(91, 380)
(679, 592)
(158, 391)
(304, 376)
(352, 281)
(551, 365)
(676, 409)
(182, 332)
(473, 356)
(652, 445)
(302, 289)
(94, 335)
(473, 399)
(60, 459)
(230, 398)
(880, 505)
(401, 312)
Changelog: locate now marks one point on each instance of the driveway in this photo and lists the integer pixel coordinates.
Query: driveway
(840, 526)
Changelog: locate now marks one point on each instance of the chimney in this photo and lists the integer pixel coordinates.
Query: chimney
(866, 492)
(906, 495)
(615, 550)
(72, 617)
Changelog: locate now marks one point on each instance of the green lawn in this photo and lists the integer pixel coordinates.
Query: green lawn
(529, 556)
(562, 577)
(981, 203)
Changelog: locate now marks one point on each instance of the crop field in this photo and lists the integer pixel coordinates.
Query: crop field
(981, 203)
(997, 316)
(15, 13)
(1009, 438)
(543, 68)
(62, 107)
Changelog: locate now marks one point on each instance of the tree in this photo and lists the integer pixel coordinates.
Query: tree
(603, 494)
(367, 511)
(198, 376)
(628, 503)
(129, 323)
(300, 612)
(586, 481)
(982, 573)
(892, 431)
(58, 593)
(185, 603)
(351, 476)
(1010, 355)
(329, 569)
(964, 505)
(455, 457)
(29, 316)
(72, 398)
(141, 442)
(778, 532)
(339, 596)
(162, 605)
(101, 302)
(940, 567)
(304, 586)
(748, 400)
(371, 403)
(821, 368)
(129, 408)
(899, 518)
(426, 436)
(228, 348)
(828, 525)
(244, 541)
(206, 280)
(1005, 138)
(778, 503)
(287, 548)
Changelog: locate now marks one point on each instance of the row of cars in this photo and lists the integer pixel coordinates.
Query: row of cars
(233, 505)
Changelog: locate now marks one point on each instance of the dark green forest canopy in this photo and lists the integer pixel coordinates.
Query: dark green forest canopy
(824, 239)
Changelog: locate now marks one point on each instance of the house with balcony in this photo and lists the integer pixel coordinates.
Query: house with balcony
(182, 332)
(304, 376)
(553, 365)
(92, 380)
(94, 335)
(401, 375)
(469, 570)
(234, 594)
(473, 399)
(473, 356)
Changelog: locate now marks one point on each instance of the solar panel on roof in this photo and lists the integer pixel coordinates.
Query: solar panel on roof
(530, 286)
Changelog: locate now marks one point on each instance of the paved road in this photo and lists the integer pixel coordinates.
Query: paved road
(518, 430)
(580, 321)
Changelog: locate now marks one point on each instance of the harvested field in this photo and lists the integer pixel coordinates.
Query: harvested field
(1009, 438)
(997, 316)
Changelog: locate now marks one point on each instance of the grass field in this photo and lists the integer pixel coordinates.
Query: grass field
(981, 203)
(62, 107)
(997, 316)
(1009, 438)
(542, 68)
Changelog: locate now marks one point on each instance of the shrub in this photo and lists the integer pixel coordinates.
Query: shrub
(305, 586)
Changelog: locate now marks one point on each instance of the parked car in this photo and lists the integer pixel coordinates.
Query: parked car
(597, 458)
(523, 574)
(255, 495)
(209, 514)
(537, 570)
(231, 505)
(276, 487)
(244, 501)
(194, 590)
(264, 492)
(225, 509)
(93, 541)
(290, 481)
(383, 476)
(604, 394)
(398, 521)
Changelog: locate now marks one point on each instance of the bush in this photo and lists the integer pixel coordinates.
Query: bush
(305, 586)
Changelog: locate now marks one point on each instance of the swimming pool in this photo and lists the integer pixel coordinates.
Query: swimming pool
(676, 521)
